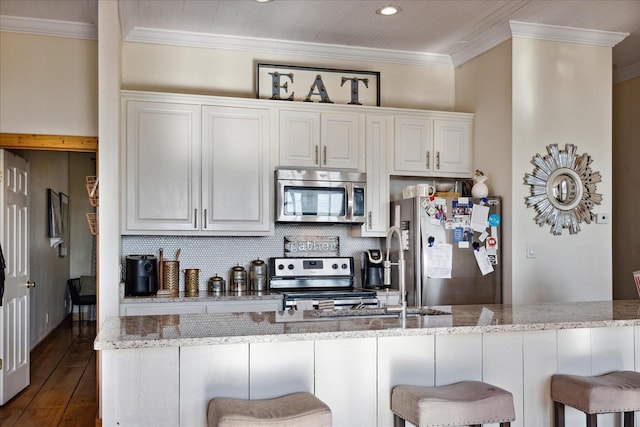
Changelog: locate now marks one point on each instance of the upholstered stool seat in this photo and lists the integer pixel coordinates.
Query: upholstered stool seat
(292, 410)
(465, 403)
(615, 392)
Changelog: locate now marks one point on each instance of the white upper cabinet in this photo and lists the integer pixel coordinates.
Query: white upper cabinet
(235, 169)
(431, 146)
(379, 133)
(321, 139)
(196, 169)
(161, 168)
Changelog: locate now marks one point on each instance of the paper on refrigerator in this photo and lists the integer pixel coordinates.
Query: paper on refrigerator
(438, 257)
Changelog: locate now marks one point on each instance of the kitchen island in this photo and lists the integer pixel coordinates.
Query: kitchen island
(162, 370)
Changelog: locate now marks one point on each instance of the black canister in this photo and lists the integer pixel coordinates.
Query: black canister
(141, 275)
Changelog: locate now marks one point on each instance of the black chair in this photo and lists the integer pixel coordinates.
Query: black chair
(78, 297)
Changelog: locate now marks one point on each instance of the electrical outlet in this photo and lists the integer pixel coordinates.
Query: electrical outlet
(602, 218)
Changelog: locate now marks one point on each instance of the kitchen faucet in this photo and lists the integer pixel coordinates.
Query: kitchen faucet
(387, 273)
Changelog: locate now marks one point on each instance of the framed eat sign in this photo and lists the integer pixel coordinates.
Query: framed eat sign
(320, 85)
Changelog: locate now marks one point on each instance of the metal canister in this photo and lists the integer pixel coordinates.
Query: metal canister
(215, 284)
(191, 279)
(238, 279)
(258, 276)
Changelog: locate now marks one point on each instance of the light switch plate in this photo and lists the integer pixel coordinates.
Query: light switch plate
(531, 250)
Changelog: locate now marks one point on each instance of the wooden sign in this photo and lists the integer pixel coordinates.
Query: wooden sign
(311, 246)
(320, 85)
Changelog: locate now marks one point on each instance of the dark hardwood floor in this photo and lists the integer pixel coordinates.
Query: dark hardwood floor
(63, 381)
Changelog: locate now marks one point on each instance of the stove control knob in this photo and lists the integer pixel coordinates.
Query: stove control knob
(344, 266)
(334, 266)
(290, 267)
(280, 266)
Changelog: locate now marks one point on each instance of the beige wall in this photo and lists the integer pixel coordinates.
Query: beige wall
(561, 94)
(483, 86)
(49, 85)
(231, 73)
(626, 187)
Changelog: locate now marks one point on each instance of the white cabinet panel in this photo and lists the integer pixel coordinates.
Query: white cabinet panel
(160, 308)
(207, 372)
(280, 368)
(235, 169)
(458, 358)
(413, 145)
(539, 364)
(346, 380)
(402, 360)
(141, 381)
(502, 367)
(161, 168)
(574, 357)
(321, 139)
(379, 133)
(243, 306)
(452, 146)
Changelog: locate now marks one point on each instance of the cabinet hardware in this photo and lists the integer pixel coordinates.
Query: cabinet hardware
(31, 284)
(428, 159)
(324, 155)
(317, 161)
(369, 220)
(195, 218)
(204, 223)
(438, 160)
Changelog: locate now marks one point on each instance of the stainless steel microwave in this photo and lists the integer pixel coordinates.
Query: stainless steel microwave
(320, 195)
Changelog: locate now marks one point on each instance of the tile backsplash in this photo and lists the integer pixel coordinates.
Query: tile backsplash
(216, 255)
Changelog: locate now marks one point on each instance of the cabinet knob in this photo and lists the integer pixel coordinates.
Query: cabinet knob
(31, 284)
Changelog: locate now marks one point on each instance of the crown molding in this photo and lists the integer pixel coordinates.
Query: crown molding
(488, 40)
(566, 34)
(216, 41)
(48, 27)
(626, 73)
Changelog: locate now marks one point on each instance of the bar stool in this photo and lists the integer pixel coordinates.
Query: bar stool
(293, 410)
(615, 392)
(470, 403)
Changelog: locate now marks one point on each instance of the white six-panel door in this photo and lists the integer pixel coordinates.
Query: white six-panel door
(14, 312)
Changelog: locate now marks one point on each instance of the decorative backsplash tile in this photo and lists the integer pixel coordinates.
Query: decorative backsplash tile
(216, 255)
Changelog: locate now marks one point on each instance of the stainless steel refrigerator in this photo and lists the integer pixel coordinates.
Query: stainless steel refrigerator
(451, 249)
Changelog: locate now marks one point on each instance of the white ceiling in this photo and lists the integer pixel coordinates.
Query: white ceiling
(456, 30)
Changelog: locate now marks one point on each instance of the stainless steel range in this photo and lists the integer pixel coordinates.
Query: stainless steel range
(325, 282)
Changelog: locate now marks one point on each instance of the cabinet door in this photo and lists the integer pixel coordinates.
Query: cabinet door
(299, 138)
(340, 136)
(452, 146)
(235, 169)
(413, 145)
(378, 131)
(161, 166)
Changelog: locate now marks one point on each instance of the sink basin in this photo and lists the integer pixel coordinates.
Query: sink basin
(378, 312)
(360, 313)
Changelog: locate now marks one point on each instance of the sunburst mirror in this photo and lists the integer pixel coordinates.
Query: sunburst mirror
(563, 188)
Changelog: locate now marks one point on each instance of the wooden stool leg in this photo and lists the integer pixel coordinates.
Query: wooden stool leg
(397, 421)
(558, 414)
(592, 420)
(629, 419)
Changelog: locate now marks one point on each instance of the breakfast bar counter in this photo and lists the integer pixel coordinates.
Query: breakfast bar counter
(166, 368)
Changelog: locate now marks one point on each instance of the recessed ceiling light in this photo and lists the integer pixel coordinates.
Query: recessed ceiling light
(263, 1)
(388, 10)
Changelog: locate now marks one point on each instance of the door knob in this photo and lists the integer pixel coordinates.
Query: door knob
(31, 284)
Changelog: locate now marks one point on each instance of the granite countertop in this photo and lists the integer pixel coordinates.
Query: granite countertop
(223, 328)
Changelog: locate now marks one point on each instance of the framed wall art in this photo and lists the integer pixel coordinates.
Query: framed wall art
(320, 85)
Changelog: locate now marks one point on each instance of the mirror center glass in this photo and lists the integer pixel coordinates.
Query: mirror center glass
(564, 189)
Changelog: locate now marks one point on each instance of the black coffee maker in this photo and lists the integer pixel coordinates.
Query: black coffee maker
(373, 274)
(141, 276)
